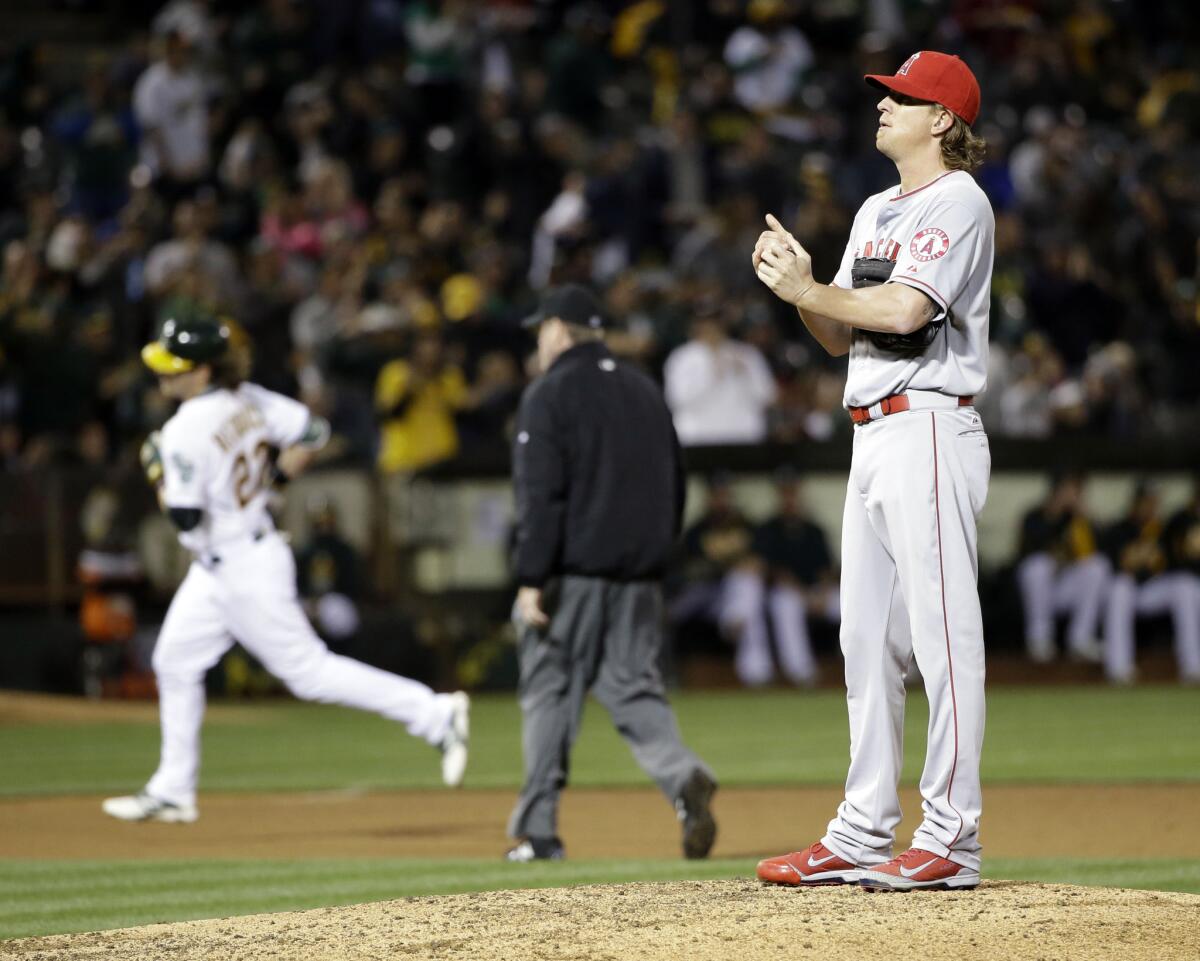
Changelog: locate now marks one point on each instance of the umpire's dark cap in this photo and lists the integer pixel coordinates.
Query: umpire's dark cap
(570, 303)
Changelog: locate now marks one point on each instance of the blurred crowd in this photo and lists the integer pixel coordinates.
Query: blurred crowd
(377, 191)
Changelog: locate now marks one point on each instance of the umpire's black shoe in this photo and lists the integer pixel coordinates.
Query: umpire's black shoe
(537, 849)
(693, 809)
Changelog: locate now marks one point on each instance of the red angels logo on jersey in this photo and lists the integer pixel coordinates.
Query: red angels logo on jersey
(885, 249)
(929, 244)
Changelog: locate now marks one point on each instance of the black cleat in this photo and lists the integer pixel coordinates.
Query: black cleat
(537, 849)
(693, 809)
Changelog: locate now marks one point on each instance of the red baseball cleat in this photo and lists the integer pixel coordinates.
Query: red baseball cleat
(919, 869)
(816, 864)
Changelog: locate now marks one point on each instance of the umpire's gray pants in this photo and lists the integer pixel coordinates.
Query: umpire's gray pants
(603, 636)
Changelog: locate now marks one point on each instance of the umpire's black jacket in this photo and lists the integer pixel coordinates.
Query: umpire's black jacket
(597, 472)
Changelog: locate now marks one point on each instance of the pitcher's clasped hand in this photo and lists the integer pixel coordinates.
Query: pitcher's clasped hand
(782, 263)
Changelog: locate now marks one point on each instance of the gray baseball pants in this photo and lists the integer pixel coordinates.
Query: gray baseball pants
(604, 636)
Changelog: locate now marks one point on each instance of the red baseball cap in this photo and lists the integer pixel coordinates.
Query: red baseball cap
(937, 77)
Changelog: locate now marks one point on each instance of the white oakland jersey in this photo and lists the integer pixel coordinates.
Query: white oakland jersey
(216, 455)
(940, 240)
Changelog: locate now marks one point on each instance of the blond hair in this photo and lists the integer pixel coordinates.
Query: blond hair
(962, 149)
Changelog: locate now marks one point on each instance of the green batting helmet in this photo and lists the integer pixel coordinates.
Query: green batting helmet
(183, 344)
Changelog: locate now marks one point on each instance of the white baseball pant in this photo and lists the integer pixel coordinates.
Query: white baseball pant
(250, 595)
(918, 481)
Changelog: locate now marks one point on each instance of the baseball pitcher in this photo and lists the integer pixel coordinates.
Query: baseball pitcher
(909, 304)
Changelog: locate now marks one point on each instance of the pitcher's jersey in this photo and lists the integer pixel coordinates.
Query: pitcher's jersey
(216, 455)
(940, 238)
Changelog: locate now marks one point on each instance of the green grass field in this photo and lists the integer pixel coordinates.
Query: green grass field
(1042, 735)
(1035, 735)
(40, 897)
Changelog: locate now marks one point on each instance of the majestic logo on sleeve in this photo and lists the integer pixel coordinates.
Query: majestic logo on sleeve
(929, 244)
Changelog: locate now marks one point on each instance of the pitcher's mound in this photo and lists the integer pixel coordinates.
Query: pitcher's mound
(694, 920)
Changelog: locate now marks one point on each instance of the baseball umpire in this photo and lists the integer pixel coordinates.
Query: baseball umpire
(599, 483)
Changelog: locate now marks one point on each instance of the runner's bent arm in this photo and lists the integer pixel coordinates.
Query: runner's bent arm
(298, 457)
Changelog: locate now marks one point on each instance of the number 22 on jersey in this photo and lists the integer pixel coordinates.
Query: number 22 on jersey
(251, 474)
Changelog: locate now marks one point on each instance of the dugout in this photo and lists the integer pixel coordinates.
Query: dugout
(435, 546)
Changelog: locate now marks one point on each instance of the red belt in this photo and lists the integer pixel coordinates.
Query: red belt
(894, 405)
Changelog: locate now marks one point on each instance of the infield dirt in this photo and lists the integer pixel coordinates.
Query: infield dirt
(697, 920)
(1021, 821)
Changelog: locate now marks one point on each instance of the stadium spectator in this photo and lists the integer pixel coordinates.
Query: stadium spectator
(191, 259)
(637, 152)
(768, 56)
(171, 103)
(191, 19)
(416, 401)
(718, 388)
(100, 134)
(314, 320)
(492, 402)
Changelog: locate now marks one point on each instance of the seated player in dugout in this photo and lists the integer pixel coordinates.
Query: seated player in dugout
(1182, 536)
(796, 580)
(759, 583)
(716, 551)
(329, 573)
(1144, 585)
(213, 469)
(1062, 571)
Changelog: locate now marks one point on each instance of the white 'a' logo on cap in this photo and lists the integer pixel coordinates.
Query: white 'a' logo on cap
(903, 71)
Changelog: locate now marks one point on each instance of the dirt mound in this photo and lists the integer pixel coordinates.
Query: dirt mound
(723, 920)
